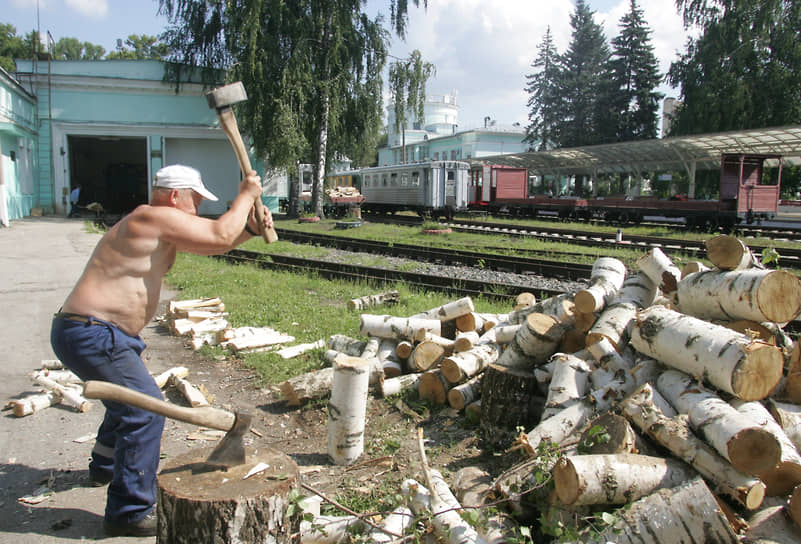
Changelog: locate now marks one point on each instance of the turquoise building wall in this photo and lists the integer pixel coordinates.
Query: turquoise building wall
(18, 150)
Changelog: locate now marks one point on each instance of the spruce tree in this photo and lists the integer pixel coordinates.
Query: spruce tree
(544, 99)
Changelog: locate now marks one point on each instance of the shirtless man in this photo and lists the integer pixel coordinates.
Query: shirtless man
(96, 332)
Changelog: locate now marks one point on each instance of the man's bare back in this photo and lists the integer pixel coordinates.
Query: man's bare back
(121, 283)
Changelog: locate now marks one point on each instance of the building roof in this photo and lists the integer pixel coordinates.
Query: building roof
(697, 152)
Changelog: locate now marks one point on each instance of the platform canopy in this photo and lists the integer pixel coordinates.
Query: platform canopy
(691, 153)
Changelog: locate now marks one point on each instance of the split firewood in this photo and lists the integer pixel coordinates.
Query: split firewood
(256, 338)
(165, 377)
(368, 301)
(433, 387)
(52, 364)
(62, 376)
(347, 409)
(465, 340)
(67, 395)
(747, 445)
(660, 270)
(732, 362)
(386, 326)
(465, 393)
(460, 366)
(294, 351)
(191, 393)
(393, 386)
(753, 293)
(730, 253)
(687, 513)
(569, 383)
(605, 279)
(176, 306)
(615, 478)
(772, 524)
(642, 409)
(346, 344)
(784, 476)
(30, 404)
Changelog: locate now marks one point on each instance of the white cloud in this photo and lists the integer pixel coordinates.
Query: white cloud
(96, 9)
(484, 49)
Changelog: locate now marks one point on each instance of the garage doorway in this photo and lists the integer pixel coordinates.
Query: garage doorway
(111, 170)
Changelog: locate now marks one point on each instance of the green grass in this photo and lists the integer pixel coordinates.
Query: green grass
(302, 305)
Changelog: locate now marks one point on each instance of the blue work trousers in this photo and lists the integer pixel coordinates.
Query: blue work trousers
(129, 439)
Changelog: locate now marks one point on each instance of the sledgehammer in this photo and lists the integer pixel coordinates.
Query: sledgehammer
(228, 453)
(221, 99)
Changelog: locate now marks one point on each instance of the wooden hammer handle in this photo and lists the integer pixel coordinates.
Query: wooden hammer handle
(204, 416)
(231, 129)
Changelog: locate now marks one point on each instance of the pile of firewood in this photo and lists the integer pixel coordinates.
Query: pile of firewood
(204, 322)
(675, 392)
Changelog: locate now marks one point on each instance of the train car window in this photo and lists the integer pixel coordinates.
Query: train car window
(451, 175)
(393, 179)
(404, 179)
(436, 155)
(384, 180)
(416, 178)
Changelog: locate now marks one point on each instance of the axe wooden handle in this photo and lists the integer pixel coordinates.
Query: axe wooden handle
(204, 416)
(231, 129)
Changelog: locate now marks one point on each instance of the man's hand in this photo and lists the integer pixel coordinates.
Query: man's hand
(251, 184)
(253, 224)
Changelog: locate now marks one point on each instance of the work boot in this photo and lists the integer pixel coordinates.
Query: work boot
(99, 479)
(144, 527)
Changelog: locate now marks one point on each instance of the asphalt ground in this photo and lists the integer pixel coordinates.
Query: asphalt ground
(40, 260)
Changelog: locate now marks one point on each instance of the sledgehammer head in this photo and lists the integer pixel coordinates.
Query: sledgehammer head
(226, 96)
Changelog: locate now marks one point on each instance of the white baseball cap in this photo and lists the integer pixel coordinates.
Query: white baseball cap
(178, 176)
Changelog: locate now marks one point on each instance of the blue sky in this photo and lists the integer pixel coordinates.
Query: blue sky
(482, 49)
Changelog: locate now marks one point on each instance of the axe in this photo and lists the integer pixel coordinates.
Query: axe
(221, 99)
(228, 453)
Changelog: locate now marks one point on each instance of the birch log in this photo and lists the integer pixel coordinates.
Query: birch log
(326, 529)
(660, 270)
(391, 364)
(557, 428)
(772, 524)
(525, 299)
(386, 326)
(687, 513)
(347, 409)
(782, 478)
(730, 361)
(396, 523)
(426, 355)
(460, 366)
(464, 341)
(641, 408)
(450, 310)
(31, 404)
(788, 416)
(615, 322)
(692, 267)
(792, 386)
(614, 478)
(368, 301)
(67, 395)
(167, 376)
(605, 279)
(747, 445)
(569, 382)
(609, 433)
(433, 387)
(404, 349)
(346, 344)
(729, 253)
(506, 333)
(756, 294)
(561, 307)
(539, 337)
(308, 386)
(393, 386)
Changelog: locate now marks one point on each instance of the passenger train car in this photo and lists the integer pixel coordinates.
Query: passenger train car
(431, 188)
(745, 195)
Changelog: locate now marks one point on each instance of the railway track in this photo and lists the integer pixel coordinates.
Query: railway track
(329, 270)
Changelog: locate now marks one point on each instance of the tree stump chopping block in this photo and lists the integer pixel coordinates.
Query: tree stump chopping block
(510, 398)
(198, 502)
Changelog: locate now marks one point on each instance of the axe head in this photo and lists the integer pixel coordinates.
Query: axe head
(231, 449)
(227, 95)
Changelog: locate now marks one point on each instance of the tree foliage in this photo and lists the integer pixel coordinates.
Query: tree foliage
(407, 88)
(312, 69)
(12, 47)
(743, 71)
(142, 47)
(545, 97)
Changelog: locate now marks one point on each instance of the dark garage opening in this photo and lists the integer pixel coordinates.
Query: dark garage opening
(111, 170)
